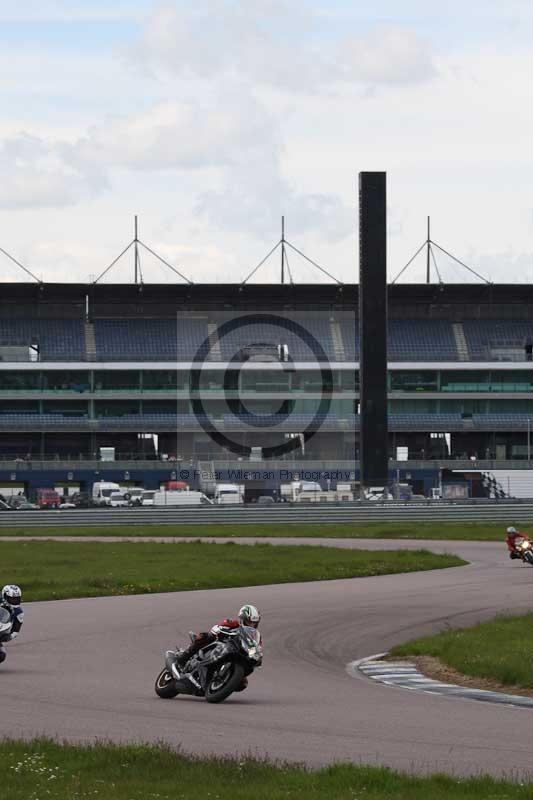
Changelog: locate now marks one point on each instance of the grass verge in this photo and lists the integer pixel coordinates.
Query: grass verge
(499, 650)
(360, 530)
(56, 570)
(44, 769)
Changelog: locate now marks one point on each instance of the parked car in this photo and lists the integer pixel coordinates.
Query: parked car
(81, 499)
(16, 499)
(47, 498)
(119, 499)
(26, 506)
(265, 500)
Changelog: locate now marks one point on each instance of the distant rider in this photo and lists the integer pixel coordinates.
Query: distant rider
(513, 538)
(11, 600)
(248, 615)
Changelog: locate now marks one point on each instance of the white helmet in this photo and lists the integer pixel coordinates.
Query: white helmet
(12, 595)
(249, 615)
(511, 530)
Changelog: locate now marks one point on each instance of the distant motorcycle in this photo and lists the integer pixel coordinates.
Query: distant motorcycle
(523, 550)
(217, 670)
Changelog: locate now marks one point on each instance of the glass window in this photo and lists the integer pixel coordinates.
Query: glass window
(66, 408)
(413, 406)
(115, 408)
(465, 381)
(59, 380)
(20, 381)
(19, 407)
(257, 380)
(414, 381)
(111, 380)
(164, 380)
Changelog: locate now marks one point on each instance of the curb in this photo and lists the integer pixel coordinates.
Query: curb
(405, 675)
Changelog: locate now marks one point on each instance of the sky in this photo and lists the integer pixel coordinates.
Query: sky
(212, 119)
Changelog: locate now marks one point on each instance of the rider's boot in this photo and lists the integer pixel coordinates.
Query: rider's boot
(183, 656)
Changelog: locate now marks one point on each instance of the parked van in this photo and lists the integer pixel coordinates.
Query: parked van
(228, 494)
(102, 492)
(180, 499)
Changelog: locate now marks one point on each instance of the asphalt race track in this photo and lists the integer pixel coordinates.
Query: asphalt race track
(84, 669)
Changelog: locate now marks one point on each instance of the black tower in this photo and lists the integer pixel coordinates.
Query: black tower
(373, 328)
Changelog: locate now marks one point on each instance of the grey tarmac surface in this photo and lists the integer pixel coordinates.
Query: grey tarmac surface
(84, 669)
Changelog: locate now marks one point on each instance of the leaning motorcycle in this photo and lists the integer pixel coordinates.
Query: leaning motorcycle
(6, 625)
(524, 550)
(217, 670)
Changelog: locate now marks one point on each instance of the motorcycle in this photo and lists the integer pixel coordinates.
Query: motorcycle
(6, 625)
(524, 550)
(217, 670)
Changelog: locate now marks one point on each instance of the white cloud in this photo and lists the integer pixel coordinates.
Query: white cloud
(275, 43)
(218, 131)
(35, 174)
(388, 56)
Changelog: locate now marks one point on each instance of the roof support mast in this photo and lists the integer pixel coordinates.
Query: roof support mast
(429, 245)
(428, 255)
(283, 250)
(136, 242)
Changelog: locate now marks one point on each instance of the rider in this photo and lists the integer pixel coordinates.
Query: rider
(512, 538)
(10, 600)
(248, 615)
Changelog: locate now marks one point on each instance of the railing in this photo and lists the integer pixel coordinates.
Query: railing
(301, 466)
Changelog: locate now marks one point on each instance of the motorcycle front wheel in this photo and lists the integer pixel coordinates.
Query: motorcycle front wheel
(165, 685)
(227, 679)
(528, 556)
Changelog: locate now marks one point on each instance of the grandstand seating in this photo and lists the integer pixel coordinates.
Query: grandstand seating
(299, 349)
(58, 339)
(488, 340)
(421, 340)
(149, 339)
(143, 339)
(408, 340)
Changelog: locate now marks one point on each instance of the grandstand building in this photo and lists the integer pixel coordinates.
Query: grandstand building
(86, 367)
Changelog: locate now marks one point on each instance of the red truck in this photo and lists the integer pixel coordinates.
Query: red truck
(47, 498)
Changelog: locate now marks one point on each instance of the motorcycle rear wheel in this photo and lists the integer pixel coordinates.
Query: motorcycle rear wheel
(216, 692)
(165, 685)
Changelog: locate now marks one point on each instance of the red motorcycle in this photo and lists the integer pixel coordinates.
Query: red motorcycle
(523, 549)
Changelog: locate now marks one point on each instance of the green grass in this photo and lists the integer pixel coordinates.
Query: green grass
(43, 770)
(500, 649)
(347, 530)
(57, 570)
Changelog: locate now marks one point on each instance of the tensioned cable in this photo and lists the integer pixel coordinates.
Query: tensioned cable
(156, 255)
(261, 263)
(333, 278)
(434, 262)
(106, 270)
(14, 260)
(399, 275)
(463, 264)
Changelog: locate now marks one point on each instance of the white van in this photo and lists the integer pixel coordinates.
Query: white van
(228, 494)
(102, 492)
(180, 499)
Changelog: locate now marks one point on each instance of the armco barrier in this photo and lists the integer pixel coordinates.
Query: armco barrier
(502, 512)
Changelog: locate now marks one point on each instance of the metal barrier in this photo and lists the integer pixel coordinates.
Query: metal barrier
(312, 514)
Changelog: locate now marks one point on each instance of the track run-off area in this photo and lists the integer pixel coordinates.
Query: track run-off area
(84, 669)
